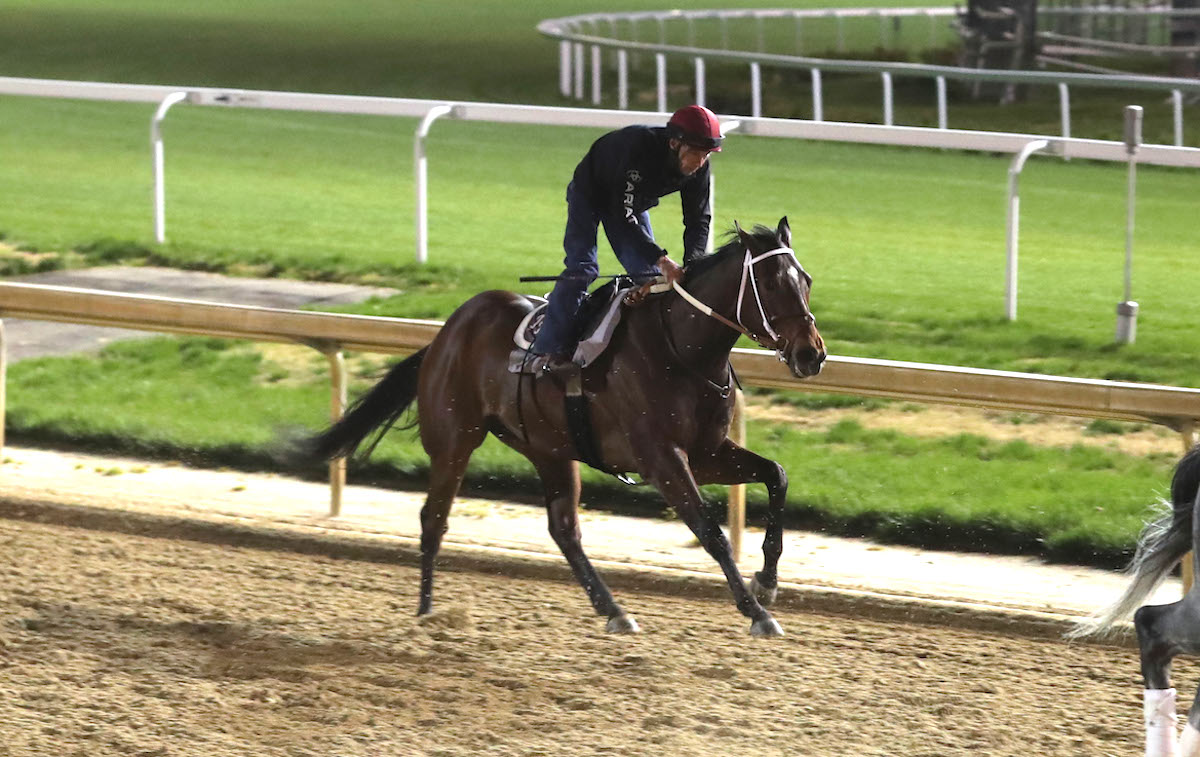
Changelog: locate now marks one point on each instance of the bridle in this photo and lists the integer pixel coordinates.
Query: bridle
(748, 262)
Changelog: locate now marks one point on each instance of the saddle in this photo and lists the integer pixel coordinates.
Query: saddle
(595, 322)
(597, 319)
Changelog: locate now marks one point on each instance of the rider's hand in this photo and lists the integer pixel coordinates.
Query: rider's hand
(671, 270)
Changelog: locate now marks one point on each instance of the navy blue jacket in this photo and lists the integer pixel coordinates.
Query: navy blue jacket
(626, 171)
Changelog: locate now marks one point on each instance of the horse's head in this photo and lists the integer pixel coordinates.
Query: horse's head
(772, 299)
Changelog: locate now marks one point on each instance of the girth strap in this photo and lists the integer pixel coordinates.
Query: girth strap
(579, 425)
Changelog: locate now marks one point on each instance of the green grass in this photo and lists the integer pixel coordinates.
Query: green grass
(906, 246)
(219, 402)
(330, 197)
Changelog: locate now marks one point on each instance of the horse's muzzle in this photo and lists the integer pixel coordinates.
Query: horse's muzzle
(804, 360)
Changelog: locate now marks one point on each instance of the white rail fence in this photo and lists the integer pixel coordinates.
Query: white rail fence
(331, 333)
(1020, 146)
(582, 34)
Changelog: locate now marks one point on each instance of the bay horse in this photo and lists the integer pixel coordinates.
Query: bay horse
(1163, 631)
(660, 401)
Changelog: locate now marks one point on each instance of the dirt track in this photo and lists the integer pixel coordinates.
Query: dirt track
(125, 645)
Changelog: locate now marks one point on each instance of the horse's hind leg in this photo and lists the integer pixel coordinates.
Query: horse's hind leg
(1165, 631)
(561, 481)
(449, 453)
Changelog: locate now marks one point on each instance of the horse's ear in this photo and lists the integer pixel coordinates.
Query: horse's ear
(784, 232)
(742, 235)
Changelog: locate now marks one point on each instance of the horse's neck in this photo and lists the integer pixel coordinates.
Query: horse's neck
(698, 338)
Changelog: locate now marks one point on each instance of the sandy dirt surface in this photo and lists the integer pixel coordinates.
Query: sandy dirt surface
(112, 644)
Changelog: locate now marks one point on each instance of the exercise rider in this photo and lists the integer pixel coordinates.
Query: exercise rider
(617, 182)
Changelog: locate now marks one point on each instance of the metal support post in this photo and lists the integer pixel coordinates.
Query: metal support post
(737, 492)
(818, 104)
(1127, 309)
(596, 74)
(755, 90)
(1014, 222)
(1177, 112)
(156, 149)
(622, 79)
(564, 68)
(578, 70)
(888, 109)
(337, 406)
(943, 117)
(660, 71)
(421, 171)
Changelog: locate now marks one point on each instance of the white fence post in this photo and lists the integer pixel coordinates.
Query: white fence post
(888, 111)
(1064, 108)
(622, 79)
(596, 74)
(564, 68)
(1177, 108)
(1014, 221)
(818, 104)
(660, 74)
(755, 90)
(420, 169)
(578, 71)
(156, 149)
(943, 116)
(337, 406)
(700, 89)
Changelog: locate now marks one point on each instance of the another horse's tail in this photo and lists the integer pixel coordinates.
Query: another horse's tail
(1162, 543)
(379, 408)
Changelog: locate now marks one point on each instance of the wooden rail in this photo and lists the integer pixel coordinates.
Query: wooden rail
(331, 333)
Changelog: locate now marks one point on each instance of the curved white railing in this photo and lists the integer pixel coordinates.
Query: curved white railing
(583, 33)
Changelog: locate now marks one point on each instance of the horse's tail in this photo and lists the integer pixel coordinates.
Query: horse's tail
(379, 408)
(1160, 546)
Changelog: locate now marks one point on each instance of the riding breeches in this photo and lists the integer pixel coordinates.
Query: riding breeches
(558, 333)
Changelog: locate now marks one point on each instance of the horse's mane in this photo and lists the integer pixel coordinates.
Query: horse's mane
(733, 246)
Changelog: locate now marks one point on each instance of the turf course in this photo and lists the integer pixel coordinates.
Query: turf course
(907, 248)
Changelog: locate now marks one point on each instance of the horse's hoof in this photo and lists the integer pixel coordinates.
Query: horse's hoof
(764, 594)
(622, 624)
(768, 626)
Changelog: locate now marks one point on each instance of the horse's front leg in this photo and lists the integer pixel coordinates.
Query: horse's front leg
(668, 470)
(733, 464)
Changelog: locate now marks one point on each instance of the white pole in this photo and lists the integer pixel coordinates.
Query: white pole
(1127, 310)
(1177, 107)
(818, 105)
(596, 74)
(337, 407)
(1064, 109)
(622, 79)
(1014, 222)
(700, 93)
(660, 69)
(943, 117)
(419, 163)
(755, 90)
(888, 114)
(564, 68)
(578, 71)
(156, 149)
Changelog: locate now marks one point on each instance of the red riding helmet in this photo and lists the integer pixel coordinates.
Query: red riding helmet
(697, 126)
